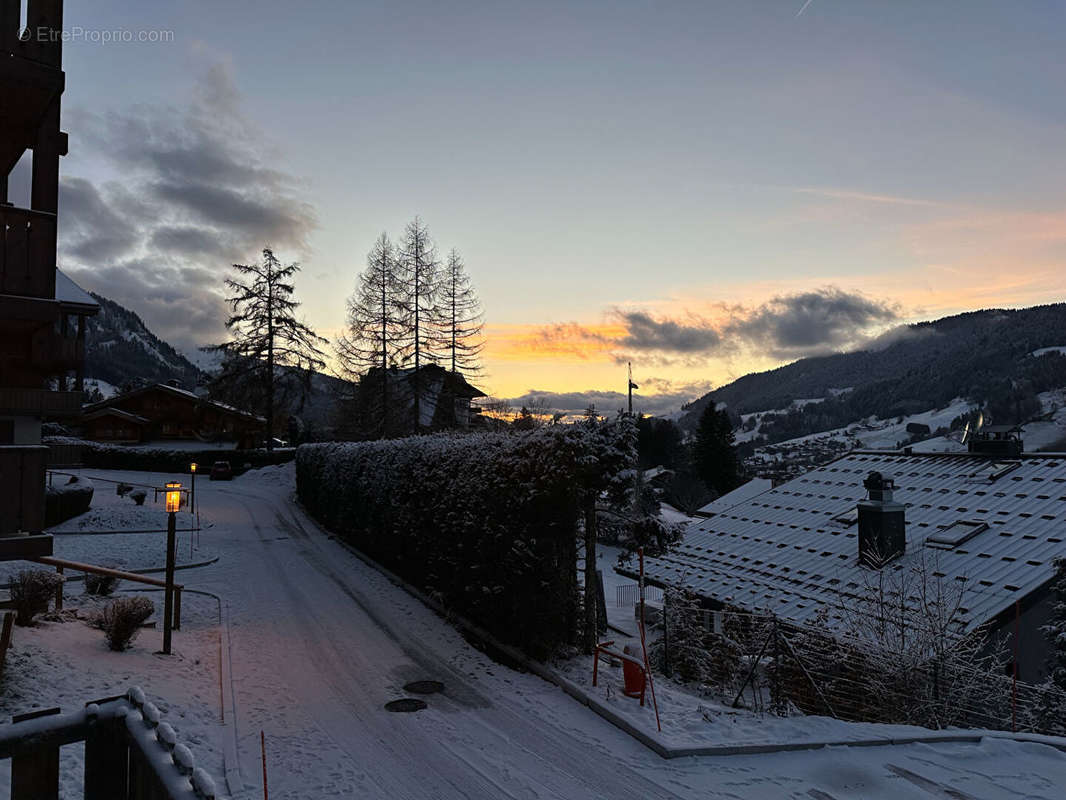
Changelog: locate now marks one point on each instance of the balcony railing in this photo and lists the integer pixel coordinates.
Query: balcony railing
(129, 753)
(27, 252)
(39, 403)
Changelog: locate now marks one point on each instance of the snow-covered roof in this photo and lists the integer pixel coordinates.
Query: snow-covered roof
(175, 390)
(70, 293)
(755, 486)
(117, 412)
(791, 551)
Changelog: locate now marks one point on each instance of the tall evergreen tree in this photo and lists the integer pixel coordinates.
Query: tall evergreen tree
(714, 454)
(418, 275)
(265, 335)
(374, 333)
(460, 315)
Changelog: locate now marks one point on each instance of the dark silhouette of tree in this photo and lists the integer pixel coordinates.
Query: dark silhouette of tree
(266, 335)
(375, 333)
(418, 279)
(460, 315)
(713, 454)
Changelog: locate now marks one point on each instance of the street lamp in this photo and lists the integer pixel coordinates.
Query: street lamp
(192, 495)
(173, 495)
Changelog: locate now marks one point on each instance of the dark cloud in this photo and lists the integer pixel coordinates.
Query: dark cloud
(645, 332)
(786, 327)
(810, 323)
(194, 192)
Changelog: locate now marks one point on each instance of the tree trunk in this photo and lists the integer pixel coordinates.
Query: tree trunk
(270, 367)
(590, 574)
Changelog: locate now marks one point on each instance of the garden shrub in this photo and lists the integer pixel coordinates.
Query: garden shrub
(122, 618)
(488, 522)
(31, 592)
(101, 585)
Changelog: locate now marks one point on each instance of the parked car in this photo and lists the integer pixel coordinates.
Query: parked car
(221, 471)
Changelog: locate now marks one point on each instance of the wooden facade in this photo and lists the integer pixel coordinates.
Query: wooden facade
(42, 324)
(164, 412)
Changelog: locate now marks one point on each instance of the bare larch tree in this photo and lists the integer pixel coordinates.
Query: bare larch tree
(418, 274)
(375, 333)
(460, 317)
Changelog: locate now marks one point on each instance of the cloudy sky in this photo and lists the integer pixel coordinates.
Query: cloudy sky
(703, 188)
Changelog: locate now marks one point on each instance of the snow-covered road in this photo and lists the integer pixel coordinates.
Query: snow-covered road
(320, 642)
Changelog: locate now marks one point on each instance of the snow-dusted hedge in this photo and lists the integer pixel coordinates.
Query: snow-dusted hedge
(486, 522)
(62, 501)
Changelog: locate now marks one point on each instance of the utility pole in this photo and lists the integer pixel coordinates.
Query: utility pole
(632, 386)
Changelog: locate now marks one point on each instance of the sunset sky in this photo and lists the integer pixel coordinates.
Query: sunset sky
(705, 188)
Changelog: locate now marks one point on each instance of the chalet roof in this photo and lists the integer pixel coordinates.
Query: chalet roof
(457, 384)
(178, 392)
(117, 412)
(70, 294)
(793, 549)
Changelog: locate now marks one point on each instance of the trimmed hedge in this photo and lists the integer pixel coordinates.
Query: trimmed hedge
(488, 523)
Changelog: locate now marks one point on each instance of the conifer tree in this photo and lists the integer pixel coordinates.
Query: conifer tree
(459, 310)
(714, 454)
(265, 335)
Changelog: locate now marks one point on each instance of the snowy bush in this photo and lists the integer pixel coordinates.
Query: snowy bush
(31, 591)
(488, 521)
(689, 648)
(138, 496)
(122, 618)
(66, 500)
(101, 585)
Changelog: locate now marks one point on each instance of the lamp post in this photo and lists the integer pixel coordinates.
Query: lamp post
(173, 494)
(192, 494)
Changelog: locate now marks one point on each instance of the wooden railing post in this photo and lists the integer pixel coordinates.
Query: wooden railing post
(106, 754)
(35, 775)
(177, 608)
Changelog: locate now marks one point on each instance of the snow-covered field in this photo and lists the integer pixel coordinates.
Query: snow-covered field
(319, 642)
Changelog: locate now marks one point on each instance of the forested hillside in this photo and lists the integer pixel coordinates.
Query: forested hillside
(985, 356)
(120, 349)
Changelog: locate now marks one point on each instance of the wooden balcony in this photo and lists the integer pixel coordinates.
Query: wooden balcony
(39, 403)
(27, 252)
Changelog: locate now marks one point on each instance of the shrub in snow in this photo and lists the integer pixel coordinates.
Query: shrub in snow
(138, 496)
(122, 618)
(66, 500)
(31, 591)
(689, 647)
(157, 459)
(101, 585)
(488, 522)
(123, 489)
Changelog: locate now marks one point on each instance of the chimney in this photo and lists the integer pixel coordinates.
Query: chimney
(882, 528)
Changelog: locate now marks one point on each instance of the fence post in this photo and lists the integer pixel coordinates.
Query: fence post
(35, 775)
(59, 591)
(177, 608)
(666, 634)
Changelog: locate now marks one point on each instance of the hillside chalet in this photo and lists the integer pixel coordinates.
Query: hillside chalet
(991, 521)
(167, 413)
(42, 312)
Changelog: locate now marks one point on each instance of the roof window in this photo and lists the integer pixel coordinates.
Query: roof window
(956, 533)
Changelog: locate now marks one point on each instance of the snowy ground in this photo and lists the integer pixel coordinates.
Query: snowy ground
(320, 642)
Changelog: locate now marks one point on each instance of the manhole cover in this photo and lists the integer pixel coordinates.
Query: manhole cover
(405, 704)
(424, 687)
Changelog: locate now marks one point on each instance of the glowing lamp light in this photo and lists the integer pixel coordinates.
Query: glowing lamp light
(173, 496)
(192, 467)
